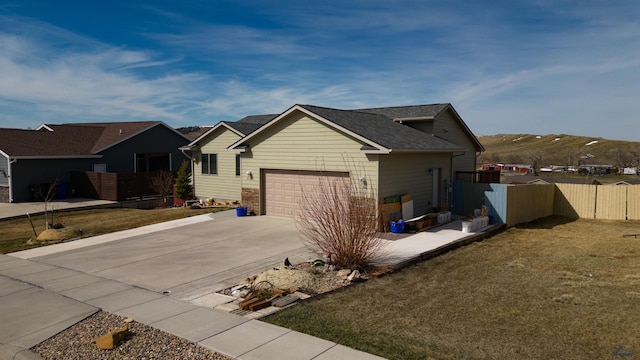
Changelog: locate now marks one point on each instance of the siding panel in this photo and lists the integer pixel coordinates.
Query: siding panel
(455, 134)
(409, 174)
(298, 142)
(611, 202)
(633, 202)
(575, 200)
(529, 202)
(225, 185)
(4, 171)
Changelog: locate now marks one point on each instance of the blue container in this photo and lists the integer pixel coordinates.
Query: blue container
(61, 190)
(241, 211)
(397, 226)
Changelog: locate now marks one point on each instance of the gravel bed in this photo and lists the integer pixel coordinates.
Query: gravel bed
(143, 342)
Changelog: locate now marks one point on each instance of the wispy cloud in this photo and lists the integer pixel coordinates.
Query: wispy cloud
(519, 66)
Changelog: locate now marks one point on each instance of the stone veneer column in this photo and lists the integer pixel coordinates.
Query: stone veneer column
(251, 199)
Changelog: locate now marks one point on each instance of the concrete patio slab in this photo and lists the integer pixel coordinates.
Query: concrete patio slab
(14, 352)
(70, 282)
(290, 346)
(157, 310)
(10, 286)
(209, 323)
(32, 315)
(95, 290)
(8, 262)
(244, 338)
(27, 269)
(124, 299)
(49, 275)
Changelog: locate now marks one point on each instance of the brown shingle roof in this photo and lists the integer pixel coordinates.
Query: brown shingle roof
(112, 133)
(68, 140)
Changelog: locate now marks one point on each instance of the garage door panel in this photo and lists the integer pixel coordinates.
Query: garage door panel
(285, 190)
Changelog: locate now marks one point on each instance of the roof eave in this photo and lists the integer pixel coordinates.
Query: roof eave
(55, 157)
(402, 151)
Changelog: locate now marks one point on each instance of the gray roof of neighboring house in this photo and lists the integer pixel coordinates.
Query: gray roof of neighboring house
(379, 128)
(243, 128)
(251, 123)
(257, 119)
(414, 111)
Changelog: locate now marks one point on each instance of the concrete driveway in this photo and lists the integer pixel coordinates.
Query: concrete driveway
(188, 258)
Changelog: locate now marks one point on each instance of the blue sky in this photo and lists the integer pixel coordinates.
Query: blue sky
(541, 67)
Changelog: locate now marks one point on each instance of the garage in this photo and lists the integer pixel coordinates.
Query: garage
(283, 189)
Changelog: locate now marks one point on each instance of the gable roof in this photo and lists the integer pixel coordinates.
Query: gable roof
(71, 140)
(17, 143)
(375, 130)
(425, 112)
(242, 127)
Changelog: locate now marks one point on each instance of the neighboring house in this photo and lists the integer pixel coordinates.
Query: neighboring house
(216, 171)
(509, 169)
(397, 150)
(51, 152)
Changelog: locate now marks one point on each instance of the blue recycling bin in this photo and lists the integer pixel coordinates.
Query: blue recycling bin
(241, 211)
(61, 190)
(397, 226)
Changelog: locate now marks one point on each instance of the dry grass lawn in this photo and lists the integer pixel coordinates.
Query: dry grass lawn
(552, 289)
(15, 234)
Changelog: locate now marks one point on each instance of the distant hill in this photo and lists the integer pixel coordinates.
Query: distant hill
(193, 132)
(546, 150)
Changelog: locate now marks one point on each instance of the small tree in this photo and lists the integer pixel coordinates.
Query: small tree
(183, 189)
(162, 183)
(47, 194)
(340, 220)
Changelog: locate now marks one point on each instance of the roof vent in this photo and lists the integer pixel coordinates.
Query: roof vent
(120, 131)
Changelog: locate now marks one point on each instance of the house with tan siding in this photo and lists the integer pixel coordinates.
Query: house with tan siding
(216, 171)
(395, 150)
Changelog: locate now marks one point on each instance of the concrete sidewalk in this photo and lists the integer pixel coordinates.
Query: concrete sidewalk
(16, 210)
(39, 300)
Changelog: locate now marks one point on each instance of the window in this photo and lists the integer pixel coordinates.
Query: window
(100, 168)
(210, 164)
(237, 164)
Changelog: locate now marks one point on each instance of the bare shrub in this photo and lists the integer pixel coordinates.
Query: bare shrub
(341, 220)
(162, 183)
(47, 193)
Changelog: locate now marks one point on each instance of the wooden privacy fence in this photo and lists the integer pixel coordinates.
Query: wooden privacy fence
(516, 204)
(620, 202)
(113, 186)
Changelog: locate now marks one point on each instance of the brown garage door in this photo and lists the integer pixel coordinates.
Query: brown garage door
(283, 189)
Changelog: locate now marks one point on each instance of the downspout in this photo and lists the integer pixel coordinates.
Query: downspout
(11, 180)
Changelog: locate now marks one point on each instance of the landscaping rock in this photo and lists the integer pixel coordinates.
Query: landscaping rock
(344, 273)
(287, 279)
(59, 234)
(355, 276)
(112, 339)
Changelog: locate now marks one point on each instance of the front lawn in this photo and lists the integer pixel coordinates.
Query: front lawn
(551, 289)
